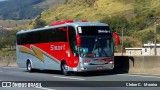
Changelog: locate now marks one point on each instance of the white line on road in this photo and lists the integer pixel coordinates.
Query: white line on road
(22, 68)
(8, 67)
(69, 78)
(44, 88)
(140, 76)
(14, 67)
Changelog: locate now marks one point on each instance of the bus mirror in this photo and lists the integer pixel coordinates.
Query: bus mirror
(78, 40)
(116, 38)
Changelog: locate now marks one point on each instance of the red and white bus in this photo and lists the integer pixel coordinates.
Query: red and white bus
(68, 45)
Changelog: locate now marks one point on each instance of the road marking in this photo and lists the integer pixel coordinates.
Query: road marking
(140, 76)
(9, 67)
(69, 78)
(44, 88)
(21, 68)
(14, 67)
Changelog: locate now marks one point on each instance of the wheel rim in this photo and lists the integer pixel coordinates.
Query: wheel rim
(65, 68)
(29, 67)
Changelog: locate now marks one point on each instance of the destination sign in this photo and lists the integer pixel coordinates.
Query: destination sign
(94, 30)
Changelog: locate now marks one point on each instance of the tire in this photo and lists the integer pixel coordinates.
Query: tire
(29, 67)
(64, 69)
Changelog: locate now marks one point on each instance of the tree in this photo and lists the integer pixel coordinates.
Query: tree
(147, 36)
(116, 24)
(7, 39)
(39, 22)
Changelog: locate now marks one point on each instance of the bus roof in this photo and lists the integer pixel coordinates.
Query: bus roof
(74, 24)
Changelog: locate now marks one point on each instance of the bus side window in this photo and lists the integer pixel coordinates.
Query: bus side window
(19, 39)
(57, 35)
(23, 39)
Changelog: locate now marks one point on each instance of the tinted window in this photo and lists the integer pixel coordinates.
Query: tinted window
(72, 39)
(43, 36)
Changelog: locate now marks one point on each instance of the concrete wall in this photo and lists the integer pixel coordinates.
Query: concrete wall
(134, 52)
(148, 51)
(138, 64)
(8, 61)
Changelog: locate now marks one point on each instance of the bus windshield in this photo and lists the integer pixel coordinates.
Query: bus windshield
(96, 46)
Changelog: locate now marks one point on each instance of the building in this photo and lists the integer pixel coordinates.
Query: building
(146, 50)
(133, 51)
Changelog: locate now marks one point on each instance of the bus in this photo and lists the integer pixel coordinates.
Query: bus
(67, 46)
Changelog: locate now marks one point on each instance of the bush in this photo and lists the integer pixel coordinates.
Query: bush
(116, 23)
(7, 38)
(147, 36)
(39, 22)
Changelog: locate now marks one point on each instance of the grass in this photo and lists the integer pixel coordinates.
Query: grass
(101, 9)
(13, 23)
(4, 53)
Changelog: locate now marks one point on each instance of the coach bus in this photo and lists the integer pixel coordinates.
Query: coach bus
(68, 46)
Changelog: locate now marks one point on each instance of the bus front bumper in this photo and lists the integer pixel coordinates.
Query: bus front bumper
(87, 67)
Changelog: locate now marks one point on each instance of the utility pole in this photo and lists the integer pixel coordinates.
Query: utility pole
(122, 43)
(155, 34)
(155, 38)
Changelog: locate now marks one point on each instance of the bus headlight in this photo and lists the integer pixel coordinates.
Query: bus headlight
(111, 62)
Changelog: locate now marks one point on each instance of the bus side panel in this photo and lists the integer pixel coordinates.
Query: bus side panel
(51, 64)
(23, 57)
(21, 61)
(47, 63)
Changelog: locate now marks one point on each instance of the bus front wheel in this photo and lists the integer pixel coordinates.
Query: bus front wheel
(64, 69)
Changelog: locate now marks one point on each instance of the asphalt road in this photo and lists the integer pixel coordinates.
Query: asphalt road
(90, 79)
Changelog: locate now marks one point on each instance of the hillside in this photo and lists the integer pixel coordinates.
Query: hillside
(24, 9)
(92, 10)
(135, 16)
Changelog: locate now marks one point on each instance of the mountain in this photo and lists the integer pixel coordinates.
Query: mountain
(135, 16)
(24, 9)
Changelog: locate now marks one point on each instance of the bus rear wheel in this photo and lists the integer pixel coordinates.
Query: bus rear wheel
(29, 66)
(64, 69)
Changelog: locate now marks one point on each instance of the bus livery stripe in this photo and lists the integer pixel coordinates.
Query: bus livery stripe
(35, 51)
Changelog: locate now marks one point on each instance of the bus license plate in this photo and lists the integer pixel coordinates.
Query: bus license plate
(99, 67)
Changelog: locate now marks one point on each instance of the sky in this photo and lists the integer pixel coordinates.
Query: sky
(2, 0)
